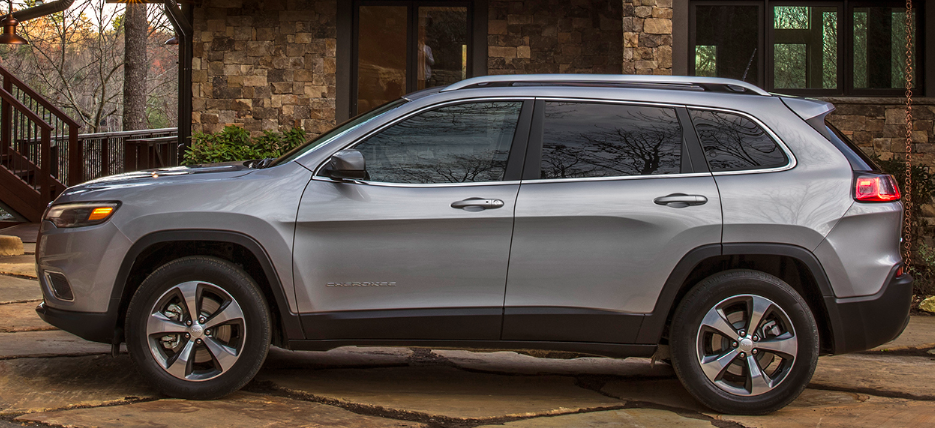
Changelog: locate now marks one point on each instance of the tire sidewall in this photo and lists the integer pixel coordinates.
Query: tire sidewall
(705, 296)
(235, 282)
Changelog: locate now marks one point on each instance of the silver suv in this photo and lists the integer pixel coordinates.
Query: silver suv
(704, 221)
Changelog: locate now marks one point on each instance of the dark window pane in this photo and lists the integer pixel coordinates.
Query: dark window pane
(455, 144)
(880, 47)
(381, 60)
(443, 42)
(727, 41)
(732, 142)
(805, 47)
(606, 140)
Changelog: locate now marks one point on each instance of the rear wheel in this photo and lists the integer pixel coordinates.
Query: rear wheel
(198, 328)
(744, 342)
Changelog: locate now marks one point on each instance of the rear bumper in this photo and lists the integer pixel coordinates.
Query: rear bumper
(861, 323)
(93, 326)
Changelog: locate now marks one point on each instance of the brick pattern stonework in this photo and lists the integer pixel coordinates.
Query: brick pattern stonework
(647, 36)
(264, 65)
(554, 36)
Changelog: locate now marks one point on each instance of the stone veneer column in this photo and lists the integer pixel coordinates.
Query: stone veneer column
(647, 36)
(264, 65)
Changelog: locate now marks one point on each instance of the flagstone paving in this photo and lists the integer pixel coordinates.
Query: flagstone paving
(238, 410)
(52, 378)
(14, 289)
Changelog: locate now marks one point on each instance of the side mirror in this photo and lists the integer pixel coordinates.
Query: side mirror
(346, 164)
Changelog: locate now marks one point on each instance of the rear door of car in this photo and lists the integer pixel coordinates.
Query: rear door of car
(613, 195)
(419, 250)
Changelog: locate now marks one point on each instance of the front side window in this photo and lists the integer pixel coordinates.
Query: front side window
(734, 143)
(460, 143)
(582, 140)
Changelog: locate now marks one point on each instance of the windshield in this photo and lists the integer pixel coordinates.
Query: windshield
(337, 131)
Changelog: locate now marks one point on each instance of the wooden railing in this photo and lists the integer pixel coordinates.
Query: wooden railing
(41, 152)
(109, 153)
(64, 152)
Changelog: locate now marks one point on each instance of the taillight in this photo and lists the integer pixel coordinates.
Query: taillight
(876, 188)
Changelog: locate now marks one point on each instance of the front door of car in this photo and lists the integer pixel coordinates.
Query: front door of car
(419, 249)
(609, 204)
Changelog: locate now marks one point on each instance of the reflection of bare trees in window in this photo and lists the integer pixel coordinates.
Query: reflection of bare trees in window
(600, 140)
(454, 144)
(732, 142)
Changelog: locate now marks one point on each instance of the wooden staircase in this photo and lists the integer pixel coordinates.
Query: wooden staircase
(39, 149)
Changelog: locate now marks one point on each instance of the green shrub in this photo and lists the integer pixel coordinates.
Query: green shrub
(233, 143)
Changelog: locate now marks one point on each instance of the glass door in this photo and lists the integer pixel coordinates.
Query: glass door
(405, 46)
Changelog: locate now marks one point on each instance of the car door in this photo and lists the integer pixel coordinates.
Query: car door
(609, 203)
(420, 249)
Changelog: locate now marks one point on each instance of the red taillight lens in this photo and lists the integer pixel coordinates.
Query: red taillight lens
(876, 188)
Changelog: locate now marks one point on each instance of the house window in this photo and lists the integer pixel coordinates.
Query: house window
(819, 48)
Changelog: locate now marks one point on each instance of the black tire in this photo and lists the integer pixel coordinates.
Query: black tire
(732, 389)
(225, 356)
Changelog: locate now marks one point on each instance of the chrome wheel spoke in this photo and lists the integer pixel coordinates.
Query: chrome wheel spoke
(714, 365)
(785, 345)
(758, 307)
(189, 291)
(230, 312)
(716, 321)
(180, 367)
(758, 381)
(158, 323)
(224, 355)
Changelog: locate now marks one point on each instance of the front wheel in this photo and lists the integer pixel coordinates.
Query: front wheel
(198, 328)
(744, 342)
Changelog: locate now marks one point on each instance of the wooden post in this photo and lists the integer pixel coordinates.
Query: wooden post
(75, 157)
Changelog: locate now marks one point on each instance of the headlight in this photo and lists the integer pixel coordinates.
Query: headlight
(81, 214)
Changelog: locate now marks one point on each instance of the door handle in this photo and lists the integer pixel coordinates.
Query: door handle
(477, 204)
(680, 200)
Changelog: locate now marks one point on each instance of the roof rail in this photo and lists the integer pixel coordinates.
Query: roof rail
(679, 82)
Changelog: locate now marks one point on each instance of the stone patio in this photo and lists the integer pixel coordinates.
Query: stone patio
(52, 378)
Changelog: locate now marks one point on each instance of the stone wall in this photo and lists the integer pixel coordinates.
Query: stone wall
(554, 36)
(264, 65)
(647, 36)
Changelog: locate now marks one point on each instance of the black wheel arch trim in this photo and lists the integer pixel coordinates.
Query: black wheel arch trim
(290, 322)
(654, 324)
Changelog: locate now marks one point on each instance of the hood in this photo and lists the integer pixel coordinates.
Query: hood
(162, 176)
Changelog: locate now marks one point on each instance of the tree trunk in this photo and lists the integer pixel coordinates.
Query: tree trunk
(135, 67)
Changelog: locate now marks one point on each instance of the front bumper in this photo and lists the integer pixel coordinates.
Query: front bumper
(862, 323)
(93, 326)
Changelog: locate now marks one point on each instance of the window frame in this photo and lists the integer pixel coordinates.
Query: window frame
(791, 161)
(845, 58)
(691, 164)
(515, 160)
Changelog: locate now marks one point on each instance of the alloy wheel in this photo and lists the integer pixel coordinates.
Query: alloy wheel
(746, 345)
(196, 331)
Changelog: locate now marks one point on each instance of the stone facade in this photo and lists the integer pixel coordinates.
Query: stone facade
(647, 36)
(554, 36)
(264, 65)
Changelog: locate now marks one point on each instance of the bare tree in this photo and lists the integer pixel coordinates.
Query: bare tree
(135, 32)
(75, 59)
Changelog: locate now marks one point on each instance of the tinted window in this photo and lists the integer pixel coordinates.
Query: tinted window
(607, 140)
(455, 144)
(732, 142)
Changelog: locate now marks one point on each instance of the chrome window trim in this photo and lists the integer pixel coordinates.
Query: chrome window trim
(617, 178)
(417, 185)
(364, 137)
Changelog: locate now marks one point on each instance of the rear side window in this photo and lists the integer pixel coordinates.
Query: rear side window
(608, 140)
(734, 143)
